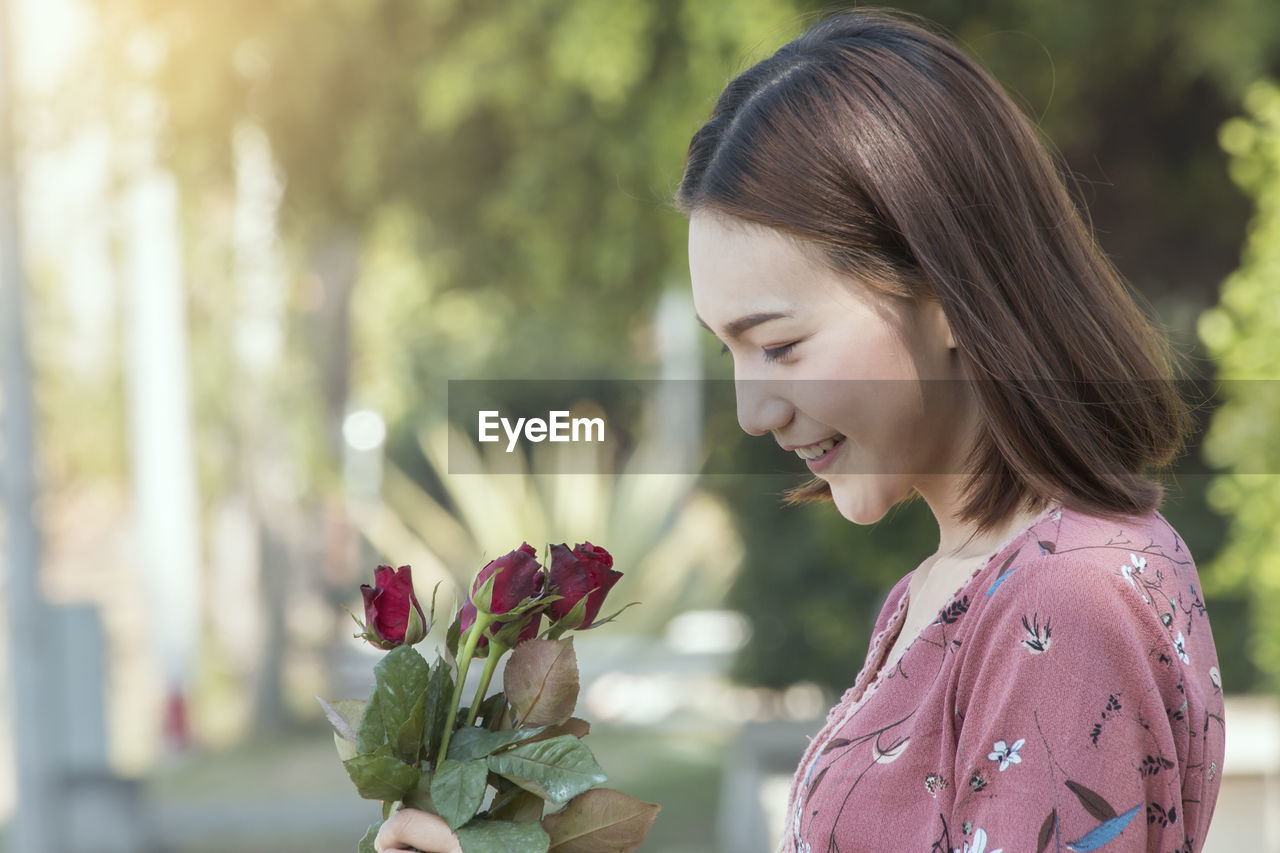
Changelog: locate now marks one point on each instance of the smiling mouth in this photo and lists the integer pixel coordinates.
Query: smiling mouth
(820, 449)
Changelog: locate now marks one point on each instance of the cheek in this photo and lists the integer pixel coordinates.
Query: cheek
(884, 417)
(864, 350)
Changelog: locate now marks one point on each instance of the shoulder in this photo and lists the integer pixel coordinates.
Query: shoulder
(1110, 588)
(1070, 555)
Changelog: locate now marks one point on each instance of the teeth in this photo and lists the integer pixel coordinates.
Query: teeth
(817, 451)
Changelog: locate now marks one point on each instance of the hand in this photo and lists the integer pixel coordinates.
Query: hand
(411, 828)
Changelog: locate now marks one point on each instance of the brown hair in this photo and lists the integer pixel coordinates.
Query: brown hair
(892, 152)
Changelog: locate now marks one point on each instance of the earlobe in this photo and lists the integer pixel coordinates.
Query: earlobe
(939, 324)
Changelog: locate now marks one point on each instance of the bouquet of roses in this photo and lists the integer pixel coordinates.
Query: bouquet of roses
(509, 772)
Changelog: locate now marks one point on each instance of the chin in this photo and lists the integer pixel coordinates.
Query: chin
(865, 498)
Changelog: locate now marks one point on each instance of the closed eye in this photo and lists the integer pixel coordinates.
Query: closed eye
(779, 352)
(774, 354)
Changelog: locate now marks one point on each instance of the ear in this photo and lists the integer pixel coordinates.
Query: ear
(935, 320)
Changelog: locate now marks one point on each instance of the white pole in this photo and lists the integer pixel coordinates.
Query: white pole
(161, 449)
(29, 657)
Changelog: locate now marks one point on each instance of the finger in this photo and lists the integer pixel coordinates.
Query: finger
(414, 828)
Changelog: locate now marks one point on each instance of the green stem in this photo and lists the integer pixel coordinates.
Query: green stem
(496, 651)
(464, 663)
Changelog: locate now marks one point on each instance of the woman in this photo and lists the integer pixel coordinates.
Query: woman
(914, 306)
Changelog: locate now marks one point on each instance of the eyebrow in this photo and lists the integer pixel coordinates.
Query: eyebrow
(736, 328)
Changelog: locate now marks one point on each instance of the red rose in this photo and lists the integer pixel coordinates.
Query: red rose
(516, 577)
(584, 573)
(392, 614)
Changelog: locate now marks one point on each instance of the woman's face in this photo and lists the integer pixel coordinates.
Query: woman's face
(840, 374)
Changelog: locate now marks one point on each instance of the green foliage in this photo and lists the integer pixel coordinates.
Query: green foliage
(457, 789)
(380, 775)
(496, 836)
(402, 681)
(1243, 334)
(557, 769)
(471, 742)
(372, 732)
(532, 144)
(366, 843)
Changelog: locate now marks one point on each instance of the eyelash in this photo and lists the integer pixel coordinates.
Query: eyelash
(774, 354)
(778, 353)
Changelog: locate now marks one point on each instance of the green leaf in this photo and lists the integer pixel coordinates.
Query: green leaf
(498, 836)
(491, 710)
(420, 800)
(436, 708)
(453, 636)
(409, 736)
(431, 616)
(366, 843)
(415, 630)
(457, 790)
(371, 734)
(520, 806)
(402, 676)
(482, 598)
(525, 605)
(472, 742)
(557, 769)
(419, 797)
(574, 617)
(344, 715)
(600, 821)
(380, 775)
(541, 681)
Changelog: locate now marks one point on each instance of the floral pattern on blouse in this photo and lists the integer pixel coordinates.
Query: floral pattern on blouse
(1065, 698)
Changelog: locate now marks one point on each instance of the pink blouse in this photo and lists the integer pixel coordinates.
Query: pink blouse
(1066, 698)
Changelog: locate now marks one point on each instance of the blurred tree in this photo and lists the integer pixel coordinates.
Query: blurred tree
(525, 148)
(1243, 332)
(466, 169)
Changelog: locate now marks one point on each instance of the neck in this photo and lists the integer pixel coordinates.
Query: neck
(959, 539)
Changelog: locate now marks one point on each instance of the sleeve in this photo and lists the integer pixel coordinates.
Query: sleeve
(1071, 710)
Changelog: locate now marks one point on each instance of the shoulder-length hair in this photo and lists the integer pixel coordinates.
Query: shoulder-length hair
(905, 164)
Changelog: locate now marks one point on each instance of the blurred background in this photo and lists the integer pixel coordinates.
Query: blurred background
(243, 246)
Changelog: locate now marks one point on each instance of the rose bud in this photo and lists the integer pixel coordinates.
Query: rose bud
(501, 586)
(582, 578)
(392, 614)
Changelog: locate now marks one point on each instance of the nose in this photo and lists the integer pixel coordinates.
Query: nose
(763, 405)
